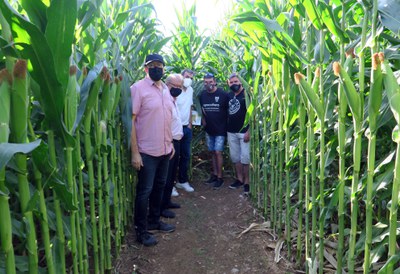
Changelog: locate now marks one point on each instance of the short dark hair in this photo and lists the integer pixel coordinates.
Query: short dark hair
(188, 71)
(209, 75)
(234, 74)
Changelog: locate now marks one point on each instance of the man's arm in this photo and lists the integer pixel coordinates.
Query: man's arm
(137, 162)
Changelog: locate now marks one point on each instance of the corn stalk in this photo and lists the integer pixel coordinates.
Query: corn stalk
(355, 103)
(393, 94)
(19, 130)
(5, 224)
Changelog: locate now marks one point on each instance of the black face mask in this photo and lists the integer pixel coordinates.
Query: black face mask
(175, 92)
(235, 87)
(156, 73)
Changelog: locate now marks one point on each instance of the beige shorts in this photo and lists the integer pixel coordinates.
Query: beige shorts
(238, 149)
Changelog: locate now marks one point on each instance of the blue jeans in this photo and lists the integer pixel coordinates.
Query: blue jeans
(215, 143)
(172, 168)
(185, 155)
(149, 190)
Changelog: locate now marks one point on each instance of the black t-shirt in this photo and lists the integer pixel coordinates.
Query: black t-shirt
(214, 107)
(237, 112)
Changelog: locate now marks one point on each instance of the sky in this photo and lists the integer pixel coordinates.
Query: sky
(209, 12)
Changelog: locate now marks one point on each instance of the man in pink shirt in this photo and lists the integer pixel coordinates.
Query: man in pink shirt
(151, 145)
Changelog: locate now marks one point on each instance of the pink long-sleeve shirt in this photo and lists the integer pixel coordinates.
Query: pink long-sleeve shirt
(153, 109)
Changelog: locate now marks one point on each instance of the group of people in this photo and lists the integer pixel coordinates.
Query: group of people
(224, 115)
(161, 140)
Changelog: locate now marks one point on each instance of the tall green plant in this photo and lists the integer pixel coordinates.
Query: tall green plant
(6, 224)
(19, 134)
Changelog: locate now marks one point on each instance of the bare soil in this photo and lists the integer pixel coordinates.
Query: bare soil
(206, 239)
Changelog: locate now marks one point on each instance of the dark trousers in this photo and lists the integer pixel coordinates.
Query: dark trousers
(149, 190)
(185, 145)
(172, 169)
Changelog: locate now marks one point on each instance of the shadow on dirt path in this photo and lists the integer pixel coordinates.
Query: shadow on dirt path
(206, 238)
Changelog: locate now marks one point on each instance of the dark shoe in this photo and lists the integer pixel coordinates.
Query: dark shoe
(146, 239)
(161, 226)
(246, 189)
(236, 185)
(168, 213)
(213, 178)
(218, 183)
(173, 205)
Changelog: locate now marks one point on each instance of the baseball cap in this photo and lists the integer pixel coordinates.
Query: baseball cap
(153, 57)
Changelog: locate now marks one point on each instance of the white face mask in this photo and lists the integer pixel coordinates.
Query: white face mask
(187, 82)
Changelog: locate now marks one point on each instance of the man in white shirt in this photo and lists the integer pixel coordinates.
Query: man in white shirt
(174, 82)
(185, 102)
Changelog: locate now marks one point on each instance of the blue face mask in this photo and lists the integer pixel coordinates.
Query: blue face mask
(156, 73)
(175, 92)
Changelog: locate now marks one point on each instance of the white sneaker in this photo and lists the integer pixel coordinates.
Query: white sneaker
(186, 186)
(174, 192)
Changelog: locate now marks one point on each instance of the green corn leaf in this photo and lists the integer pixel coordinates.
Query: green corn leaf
(117, 95)
(5, 104)
(389, 80)
(41, 159)
(253, 103)
(105, 98)
(392, 262)
(63, 193)
(32, 204)
(396, 135)
(33, 46)
(353, 98)
(389, 11)
(375, 96)
(6, 49)
(328, 18)
(313, 13)
(60, 30)
(19, 104)
(311, 95)
(71, 101)
(395, 106)
(36, 11)
(86, 14)
(89, 92)
(7, 150)
(111, 103)
(392, 88)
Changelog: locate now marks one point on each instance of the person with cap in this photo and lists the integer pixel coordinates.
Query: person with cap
(214, 106)
(185, 102)
(151, 147)
(238, 133)
(175, 83)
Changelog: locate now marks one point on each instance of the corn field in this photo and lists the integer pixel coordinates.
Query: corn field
(323, 107)
(66, 191)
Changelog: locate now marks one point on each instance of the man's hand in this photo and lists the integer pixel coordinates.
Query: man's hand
(137, 162)
(246, 137)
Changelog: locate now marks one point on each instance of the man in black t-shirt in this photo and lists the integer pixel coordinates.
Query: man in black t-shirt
(214, 106)
(238, 133)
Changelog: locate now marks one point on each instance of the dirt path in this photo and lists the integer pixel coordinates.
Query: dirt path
(206, 239)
